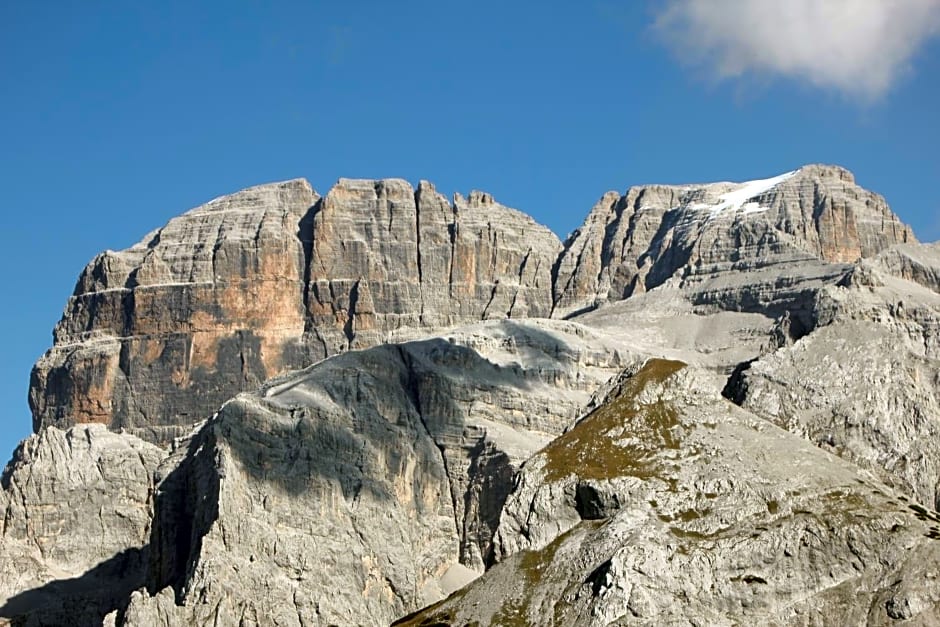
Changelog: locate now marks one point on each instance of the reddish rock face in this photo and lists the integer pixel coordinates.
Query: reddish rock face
(156, 337)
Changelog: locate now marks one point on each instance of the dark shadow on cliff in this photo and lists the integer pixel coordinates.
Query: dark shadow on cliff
(82, 600)
(355, 425)
(186, 504)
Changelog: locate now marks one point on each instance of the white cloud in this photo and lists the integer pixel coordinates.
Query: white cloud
(859, 47)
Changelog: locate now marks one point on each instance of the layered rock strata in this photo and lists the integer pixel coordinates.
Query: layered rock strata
(416, 466)
(695, 234)
(273, 278)
(156, 337)
(387, 257)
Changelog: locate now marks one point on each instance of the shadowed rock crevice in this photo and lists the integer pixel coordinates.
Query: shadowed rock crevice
(185, 507)
(81, 600)
(491, 476)
(306, 238)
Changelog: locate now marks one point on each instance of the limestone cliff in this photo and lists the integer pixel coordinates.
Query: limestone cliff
(735, 423)
(699, 233)
(273, 278)
(156, 337)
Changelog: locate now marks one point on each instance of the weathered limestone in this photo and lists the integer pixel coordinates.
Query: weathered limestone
(695, 233)
(369, 484)
(376, 475)
(270, 279)
(156, 337)
(387, 257)
(669, 505)
(76, 523)
(865, 384)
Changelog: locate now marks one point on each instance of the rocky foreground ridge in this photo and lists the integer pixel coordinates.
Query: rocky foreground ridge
(713, 404)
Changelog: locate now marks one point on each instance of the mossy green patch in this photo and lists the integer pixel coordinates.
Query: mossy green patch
(621, 437)
(433, 615)
(532, 566)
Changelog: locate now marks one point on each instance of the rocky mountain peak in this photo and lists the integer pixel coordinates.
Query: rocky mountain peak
(738, 420)
(635, 242)
(274, 277)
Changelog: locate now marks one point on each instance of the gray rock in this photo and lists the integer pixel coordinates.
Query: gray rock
(697, 233)
(919, 263)
(866, 384)
(378, 475)
(76, 523)
(374, 482)
(669, 505)
(387, 257)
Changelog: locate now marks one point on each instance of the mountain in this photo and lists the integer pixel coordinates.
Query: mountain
(713, 404)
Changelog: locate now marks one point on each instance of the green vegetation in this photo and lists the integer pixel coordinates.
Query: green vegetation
(591, 451)
(532, 566)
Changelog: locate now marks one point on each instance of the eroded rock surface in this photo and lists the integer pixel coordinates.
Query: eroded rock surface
(917, 263)
(76, 524)
(157, 337)
(377, 475)
(382, 479)
(388, 257)
(866, 383)
(782, 227)
(669, 505)
(273, 278)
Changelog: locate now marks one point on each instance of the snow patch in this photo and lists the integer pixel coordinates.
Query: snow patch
(739, 199)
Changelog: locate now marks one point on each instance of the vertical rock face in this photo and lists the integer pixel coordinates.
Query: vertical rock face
(251, 285)
(366, 485)
(387, 257)
(636, 242)
(157, 336)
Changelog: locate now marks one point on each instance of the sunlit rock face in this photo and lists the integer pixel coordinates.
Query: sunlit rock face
(158, 336)
(387, 258)
(75, 528)
(669, 505)
(714, 404)
(719, 238)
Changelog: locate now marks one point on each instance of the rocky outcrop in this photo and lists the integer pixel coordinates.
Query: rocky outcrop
(156, 337)
(376, 475)
(443, 438)
(917, 263)
(864, 385)
(386, 257)
(248, 286)
(75, 525)
(697, 233)
(669, 505)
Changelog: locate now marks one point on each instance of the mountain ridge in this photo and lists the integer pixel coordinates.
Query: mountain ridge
(697, 408)
(377, 259)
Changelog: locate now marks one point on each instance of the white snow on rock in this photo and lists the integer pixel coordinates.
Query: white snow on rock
(739, 199)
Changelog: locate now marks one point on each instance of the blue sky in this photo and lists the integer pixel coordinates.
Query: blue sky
(117, 116)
